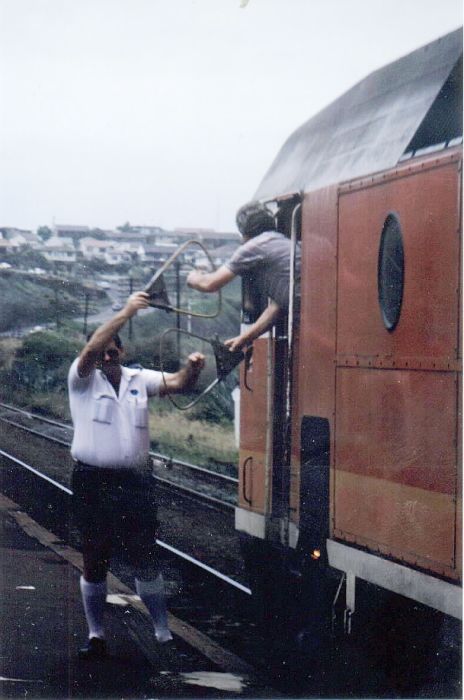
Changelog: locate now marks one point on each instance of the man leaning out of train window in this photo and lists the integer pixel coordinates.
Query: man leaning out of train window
(265, 257)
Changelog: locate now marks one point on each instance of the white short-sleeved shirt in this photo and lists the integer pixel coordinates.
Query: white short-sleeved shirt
(111, 430)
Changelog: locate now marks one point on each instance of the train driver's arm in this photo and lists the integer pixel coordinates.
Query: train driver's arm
(262, 324)
(210, 281)
(185, 378)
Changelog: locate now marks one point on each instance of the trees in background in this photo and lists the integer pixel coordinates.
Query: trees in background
(28, 258)
(44, 232)
(42, 362)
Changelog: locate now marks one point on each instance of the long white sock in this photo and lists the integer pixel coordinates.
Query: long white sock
(93, 598)
(153, 596)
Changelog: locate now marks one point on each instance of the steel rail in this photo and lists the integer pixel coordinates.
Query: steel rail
(35, 432)
(164, 545)
(191, 492)
(217, 502)
(12, 458)
(194, 467)
(34, 415)
(156, 455)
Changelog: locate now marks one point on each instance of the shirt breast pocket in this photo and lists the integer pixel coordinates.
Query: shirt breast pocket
(103, 407)
(141, 413)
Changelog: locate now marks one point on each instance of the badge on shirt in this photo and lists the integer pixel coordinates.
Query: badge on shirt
(134, 391)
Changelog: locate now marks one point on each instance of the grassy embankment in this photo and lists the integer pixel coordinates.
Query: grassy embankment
(33, 374)
(29, 300)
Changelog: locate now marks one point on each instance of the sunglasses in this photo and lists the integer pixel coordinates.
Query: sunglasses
(113, 354)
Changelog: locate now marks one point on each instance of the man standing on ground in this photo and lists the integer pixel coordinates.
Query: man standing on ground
(113, 490)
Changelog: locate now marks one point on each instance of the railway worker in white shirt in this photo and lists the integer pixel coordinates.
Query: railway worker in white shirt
(263, 261)
(114, 499)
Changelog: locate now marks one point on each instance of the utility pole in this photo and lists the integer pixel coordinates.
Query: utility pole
(57, 311)
(177, 268)
(131, 287)
(86, 313)
(189, 317)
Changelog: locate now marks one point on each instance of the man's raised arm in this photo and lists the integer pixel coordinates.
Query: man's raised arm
(102, 336)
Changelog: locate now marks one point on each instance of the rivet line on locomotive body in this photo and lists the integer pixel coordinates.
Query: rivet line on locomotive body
(350, 436)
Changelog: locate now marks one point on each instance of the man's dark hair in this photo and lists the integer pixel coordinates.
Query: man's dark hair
(115, 337)
(255, 218)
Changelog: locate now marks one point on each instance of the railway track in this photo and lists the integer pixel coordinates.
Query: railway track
(198, 549)
(215, 488)
(213, 604)
(213, 595)
(164, 545)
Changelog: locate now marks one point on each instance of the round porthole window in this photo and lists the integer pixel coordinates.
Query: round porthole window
(391, 272)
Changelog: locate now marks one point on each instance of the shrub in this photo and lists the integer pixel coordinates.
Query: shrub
(43, 360)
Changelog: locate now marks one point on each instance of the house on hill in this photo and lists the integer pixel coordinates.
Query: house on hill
(70, 231)
(58, 250)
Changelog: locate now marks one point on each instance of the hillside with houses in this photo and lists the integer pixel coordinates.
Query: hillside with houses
(69, 247)
(59, 282)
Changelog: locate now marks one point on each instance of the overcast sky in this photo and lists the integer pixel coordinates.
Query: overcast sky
(170, 112)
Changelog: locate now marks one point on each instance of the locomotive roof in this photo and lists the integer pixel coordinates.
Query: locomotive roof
(411, 103)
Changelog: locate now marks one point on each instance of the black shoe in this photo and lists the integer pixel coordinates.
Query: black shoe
(95, 649)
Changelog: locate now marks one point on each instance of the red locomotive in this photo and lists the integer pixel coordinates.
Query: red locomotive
(350, 412)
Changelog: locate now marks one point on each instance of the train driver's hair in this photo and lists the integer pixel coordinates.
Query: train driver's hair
(255, 218)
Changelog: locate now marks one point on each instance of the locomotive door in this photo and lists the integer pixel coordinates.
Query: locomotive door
(395, 478)
(256, 390)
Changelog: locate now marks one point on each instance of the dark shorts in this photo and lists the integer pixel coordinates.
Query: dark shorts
(115, 508)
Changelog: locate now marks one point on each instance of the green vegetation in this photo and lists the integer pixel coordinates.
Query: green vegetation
(44, 232)
(33, 370)
(27, 258)
(29, 299)
(195, 441)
